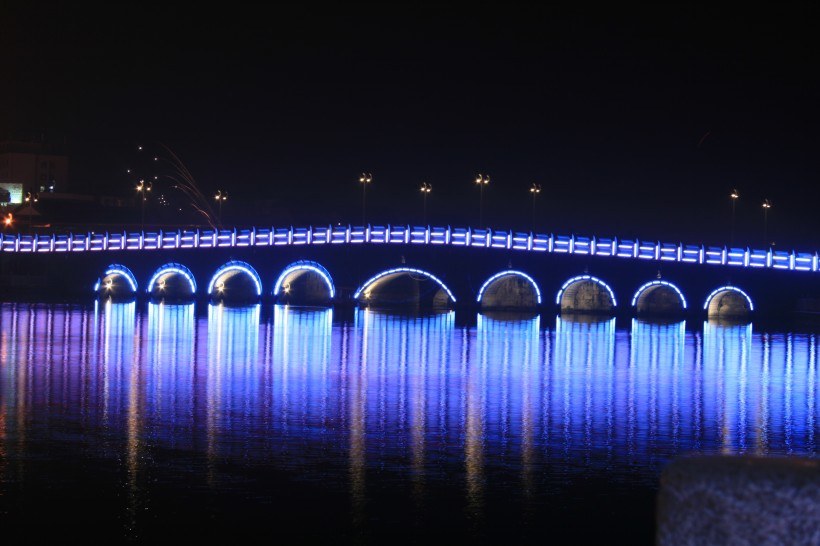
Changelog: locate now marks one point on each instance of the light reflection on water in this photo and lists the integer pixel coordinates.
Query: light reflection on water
(435, 405)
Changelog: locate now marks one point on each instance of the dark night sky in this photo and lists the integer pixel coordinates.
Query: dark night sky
(635, 123)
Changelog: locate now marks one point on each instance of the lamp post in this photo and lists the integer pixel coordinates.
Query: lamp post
(734, 195)
(31, 198)
(482, 180)
(143, 188)
(364, 180)
(535, 189)
(220, 197)
(425, 189)
(766, 206)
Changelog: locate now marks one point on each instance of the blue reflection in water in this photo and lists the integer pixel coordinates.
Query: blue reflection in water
(233, 370)
(435, 405)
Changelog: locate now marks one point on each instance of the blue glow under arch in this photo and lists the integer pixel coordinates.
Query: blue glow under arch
(509, 273)
(430, 276)
(118, 270)
(728, 288)
(172, 268)
(580, 278)
(650, 284)
(305, 266)
(236, 265)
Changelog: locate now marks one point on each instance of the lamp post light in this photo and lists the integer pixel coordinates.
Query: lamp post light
(31, 198)
(143, 188)
(535, 189)
(364, 180)
(482, 180)
(425, 189)
(734, 195)
(220, 197)
(766, 206)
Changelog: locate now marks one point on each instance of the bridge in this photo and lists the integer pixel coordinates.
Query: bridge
(415, 265)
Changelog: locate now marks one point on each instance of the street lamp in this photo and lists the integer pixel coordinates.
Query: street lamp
(535, 189)
(364, 180)
(482, 180)
(425, 189)
(143, 188)
(766, 206)
(220, 197)
(734, 195)
(31, 198)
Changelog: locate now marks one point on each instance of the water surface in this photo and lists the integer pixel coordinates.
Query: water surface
(129, 422)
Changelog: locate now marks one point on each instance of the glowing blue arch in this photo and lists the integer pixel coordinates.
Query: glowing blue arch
(430, 276)
(121, 270)
(728, 288)
(579, 278)
(236, 265)
(172, 268)
(658, 283)
(508, 273)
(305, 266)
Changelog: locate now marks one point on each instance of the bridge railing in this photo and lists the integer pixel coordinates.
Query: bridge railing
(413, 235)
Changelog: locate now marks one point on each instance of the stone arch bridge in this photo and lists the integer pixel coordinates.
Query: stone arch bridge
(403, 265)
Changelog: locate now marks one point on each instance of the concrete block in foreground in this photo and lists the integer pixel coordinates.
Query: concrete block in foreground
(739, 500)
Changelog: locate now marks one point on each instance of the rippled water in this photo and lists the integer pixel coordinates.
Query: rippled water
(124, 422)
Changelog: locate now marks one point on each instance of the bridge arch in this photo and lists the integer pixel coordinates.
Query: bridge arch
(410, 291)
(509, 289)
(728, 301)
(117, 281)
(230, 283)
(172, 281)
(304, 282)
(658, 297)
(586, 294)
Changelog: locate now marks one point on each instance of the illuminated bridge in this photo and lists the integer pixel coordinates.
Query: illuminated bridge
(397, 265)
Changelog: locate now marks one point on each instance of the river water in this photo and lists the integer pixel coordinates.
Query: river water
(144, 422)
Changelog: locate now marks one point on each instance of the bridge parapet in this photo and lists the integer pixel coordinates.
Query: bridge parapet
(411, 235)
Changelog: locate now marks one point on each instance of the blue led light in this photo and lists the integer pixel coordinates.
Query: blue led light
(430, 276)
(236, 266)
(727, 288)
(658, 283)
(305, 266)
(172, 268)
(585, 278)
(117, 269)
(509, 273)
